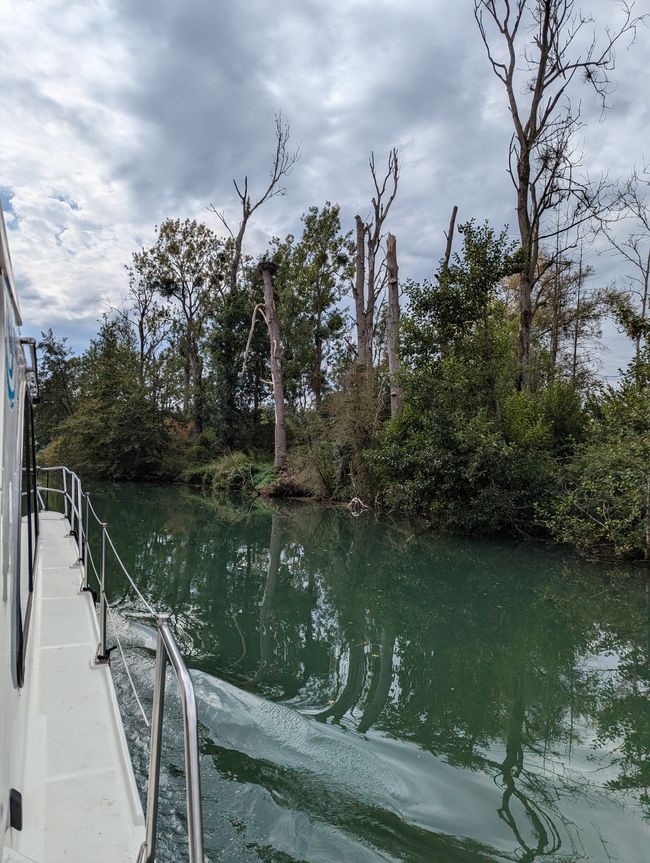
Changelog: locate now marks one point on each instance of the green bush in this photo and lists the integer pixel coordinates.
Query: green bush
(234, 471)
(602, 509)
(461, 474)
(603, 506)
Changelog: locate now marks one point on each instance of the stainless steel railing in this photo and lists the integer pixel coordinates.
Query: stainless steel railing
(167, 651)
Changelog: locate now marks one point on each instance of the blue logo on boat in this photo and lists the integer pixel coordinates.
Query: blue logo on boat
(11, 385)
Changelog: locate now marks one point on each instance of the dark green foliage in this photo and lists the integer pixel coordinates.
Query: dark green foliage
(179, 378)
(329, 456)
(456, 467)
(469, 452)
(187, 265)
(603, 507)
(234, 471)
(237, 404)
(114, 431)
(57, 386)
(312, 276)
(459, 300)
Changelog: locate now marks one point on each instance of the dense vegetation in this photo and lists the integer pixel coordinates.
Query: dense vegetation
(469, 451)
(470, 400)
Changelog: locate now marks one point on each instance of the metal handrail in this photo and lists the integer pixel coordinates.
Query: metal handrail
(166, 650)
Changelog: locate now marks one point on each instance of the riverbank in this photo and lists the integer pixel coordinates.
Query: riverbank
(252, 475)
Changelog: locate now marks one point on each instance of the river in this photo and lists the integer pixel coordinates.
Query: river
(369, 694)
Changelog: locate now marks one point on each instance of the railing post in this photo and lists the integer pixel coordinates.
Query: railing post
(80, 522)
(72, 504)
(156, 741)
(102, 654)
(65, 492)
(85, 557)
(47, 494)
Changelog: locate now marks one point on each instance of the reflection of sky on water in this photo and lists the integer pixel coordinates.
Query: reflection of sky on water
(367, 697)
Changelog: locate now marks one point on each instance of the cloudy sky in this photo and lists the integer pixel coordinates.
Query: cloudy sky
(119, 113)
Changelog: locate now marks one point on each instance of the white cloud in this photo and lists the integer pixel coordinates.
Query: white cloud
(138, 111)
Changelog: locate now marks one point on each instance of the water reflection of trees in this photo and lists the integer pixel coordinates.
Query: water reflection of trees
(465, 649)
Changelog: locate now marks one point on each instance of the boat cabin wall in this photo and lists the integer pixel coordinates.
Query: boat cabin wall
(14, 587)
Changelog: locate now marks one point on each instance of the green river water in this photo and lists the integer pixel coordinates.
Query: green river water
(366, 694)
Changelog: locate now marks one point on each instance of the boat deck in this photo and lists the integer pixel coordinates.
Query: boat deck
(80, 801)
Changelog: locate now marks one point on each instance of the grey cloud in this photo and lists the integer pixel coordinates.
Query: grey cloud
(64, 199)
(189, 105)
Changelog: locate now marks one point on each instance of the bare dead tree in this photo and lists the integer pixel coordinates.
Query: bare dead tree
(282, 165)
(267, 270)
(358, 291)
(544, 47)
(367, 291)
(632, 304)
(392, 326)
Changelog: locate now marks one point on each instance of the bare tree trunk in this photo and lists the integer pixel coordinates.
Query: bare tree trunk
(141, 349)
(283, 162)
(555, 308)
(576, 330)
(371, 292)
(647, 519)
(527, 275)
(539, 43)
(525, 324)
(237, 250)
(450, 239)
(317, 381)
(317, 377)
(365, 289)
(186, 386)
(644, 303)
(359, 291)
(392, 326)
(195, 363)
(267, 270)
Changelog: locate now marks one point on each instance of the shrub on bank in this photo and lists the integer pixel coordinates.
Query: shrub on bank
(234, 471)
(603, 508)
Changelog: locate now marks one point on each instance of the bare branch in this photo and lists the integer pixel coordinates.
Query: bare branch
(222, 219)
(283, 162)
(258, 308)
(539, 49)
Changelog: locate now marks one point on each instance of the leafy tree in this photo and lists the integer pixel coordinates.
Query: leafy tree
(115, 430)
(151, 321)
(58, 370)
(462, 314)
(468, 452)
(310, 282)
(237, 400)
(187, 265)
